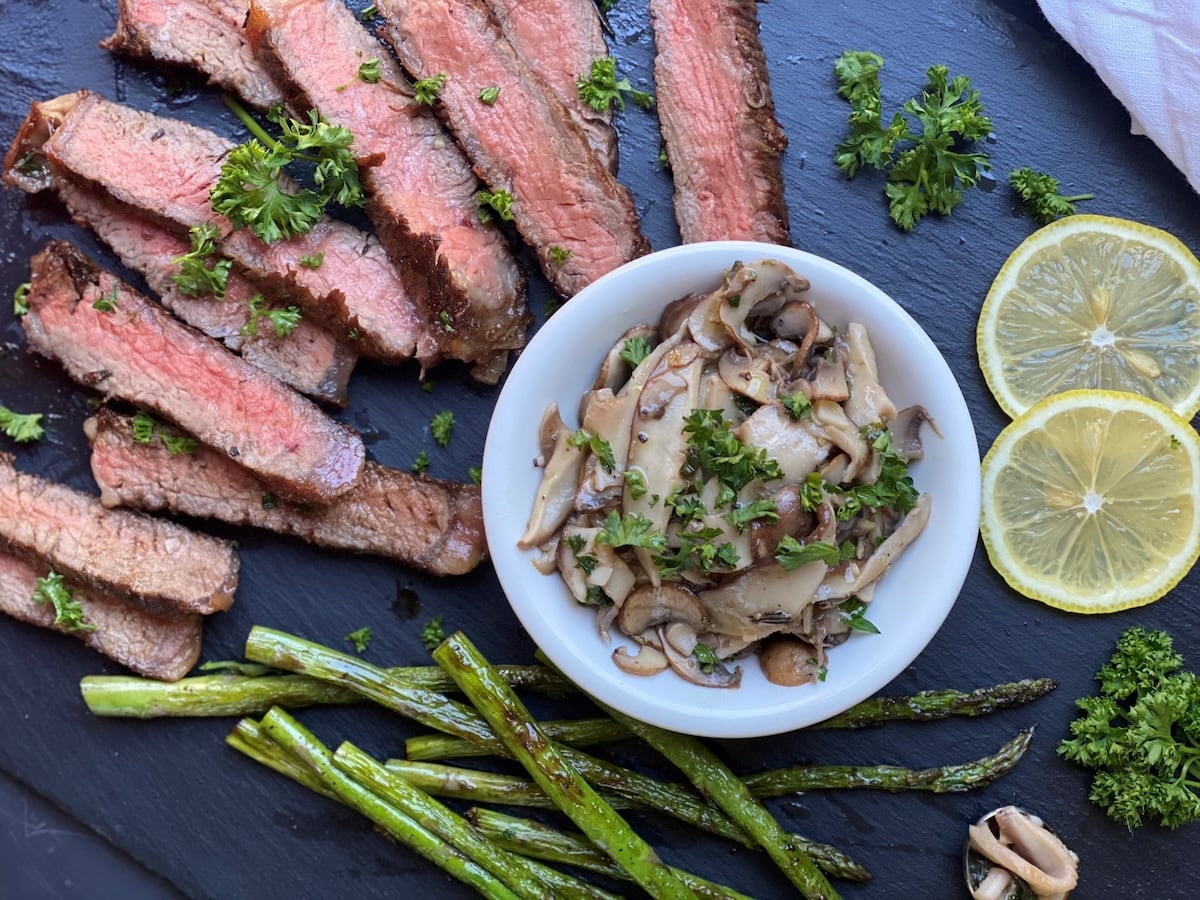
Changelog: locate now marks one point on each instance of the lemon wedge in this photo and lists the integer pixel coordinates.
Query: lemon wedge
(1090, 501)
(1094, 302)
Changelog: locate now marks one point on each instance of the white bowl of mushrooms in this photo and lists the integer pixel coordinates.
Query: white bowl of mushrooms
(731, 489)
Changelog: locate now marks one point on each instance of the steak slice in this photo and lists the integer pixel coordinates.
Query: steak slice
(421, 187)
(560, 39)
(567, 205)
(112, 338)
(164, 169)
(432, 525)
(160, 565)
(310, 359)
(718, 121)
(201, 35)
(154, 646)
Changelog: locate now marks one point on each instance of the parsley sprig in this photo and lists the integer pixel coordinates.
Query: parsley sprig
(68, 612)
(600, 88)
(250, 192)
(21, 427)
(1141, 733)
(1039, 193)
(713, 449)
(196, 277)
(927, 160)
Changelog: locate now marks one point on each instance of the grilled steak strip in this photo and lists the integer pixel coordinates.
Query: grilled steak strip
(310, 359)
(199, 35)
(565, 201)
(160, 565)
(164, 169)
(131, 348)
(718, 121)
(560, 39)
(432, 525)
(154, 646)
(421, 187)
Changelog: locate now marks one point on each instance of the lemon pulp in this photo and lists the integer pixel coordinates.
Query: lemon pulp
(1090, 501)
(1094, 302)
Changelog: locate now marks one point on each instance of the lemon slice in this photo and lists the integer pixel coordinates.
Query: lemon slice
(1094, 302)
(1090, 501)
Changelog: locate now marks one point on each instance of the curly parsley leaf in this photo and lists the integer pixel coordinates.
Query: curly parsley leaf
(631, 530)
(369, 71)
(23, 428)
(426, 90)
(433, 633)
(714, 449)
(742, 516)
(421, 463)
(634, 350)
(489, 95)
(498, 202)
(442, 427)
(798, 406)
(21, 299)
(68, 612)
(250, 191)
(600, 88)
(791, 554)
(1039, 193)
(854, 614)
(284, 320)
(596, 444)
(196, 277)
(475, 473)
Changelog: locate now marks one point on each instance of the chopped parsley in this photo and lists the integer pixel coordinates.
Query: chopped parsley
(598, 446)
(442, 425)
(312, 260)
(893, 489)
(107, 303)
(426, 90)
(791, 554)
(359, 639)
(447, 322)
(600, 89)
(707, 657)
(634, 350)
(196, 278)
(143, 427)
(68, 612)
(369, 71)
(798, 406)
(475, 473)
(636, 479)
(489, 95)
(21, 427)
(854, 614)
(421, 463)
(558, 256)
(369, 13)
(284, 320)
(714, 449)
(764, 509)
(498, 202)
(432, 633)
(1039, 193)
(631, 530)
(21, 299)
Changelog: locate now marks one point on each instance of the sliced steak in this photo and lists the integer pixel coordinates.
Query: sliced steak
(113, 339)
(718, 121)
(567, 205)
(560, 39)
(154, 646)
(432, 525)
(421, 187)
(310, 358)
(158, 564)
(164, 169)
(202, 35)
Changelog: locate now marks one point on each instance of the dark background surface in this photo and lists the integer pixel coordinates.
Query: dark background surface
(173, 797)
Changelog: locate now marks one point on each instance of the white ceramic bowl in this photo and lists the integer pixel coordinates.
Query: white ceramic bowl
(911, 601)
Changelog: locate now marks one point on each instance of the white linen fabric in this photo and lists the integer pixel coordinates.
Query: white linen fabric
(1148, 53)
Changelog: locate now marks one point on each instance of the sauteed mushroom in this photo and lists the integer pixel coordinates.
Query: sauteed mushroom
(726, 484)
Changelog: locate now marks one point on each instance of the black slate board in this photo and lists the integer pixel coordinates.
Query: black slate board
(214, 825)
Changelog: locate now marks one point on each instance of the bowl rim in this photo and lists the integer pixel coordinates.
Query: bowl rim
(608, 306)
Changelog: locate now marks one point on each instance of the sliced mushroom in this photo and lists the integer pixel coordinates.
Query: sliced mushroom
(751, 375)
(798, 446)
(793, 519)
(646, 660)
(746, 291)
(715, 394)
(906, 431)
(1024, 846)
(830, 421)
(828, 380)
(556, 494)
(675, 317)
(786, 660)
(762, 600)
(868, 400)
(839, 587)
(693, 670)
(798, 320)
(652, 605)
(996, 883)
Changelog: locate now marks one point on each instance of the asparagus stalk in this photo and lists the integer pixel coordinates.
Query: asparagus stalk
(480, 787)
(927, 706)
(524, 876)
(547, 843)
(530, 746)
(249, 737)
(715, 781)
(297, 740)
(243, 694)
(576, 733)
(939, 780)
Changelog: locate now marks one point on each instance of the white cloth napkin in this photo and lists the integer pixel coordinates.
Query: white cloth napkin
(1148, 53)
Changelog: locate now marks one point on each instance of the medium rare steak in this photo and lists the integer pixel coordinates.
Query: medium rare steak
(112, 338)
(718, 121)
(163, 169)
(432, 525)
(421, 188)
(560, 39)
(158, 564)
(194, 33)
(566, 203)
(154, 646)
(310, 359)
